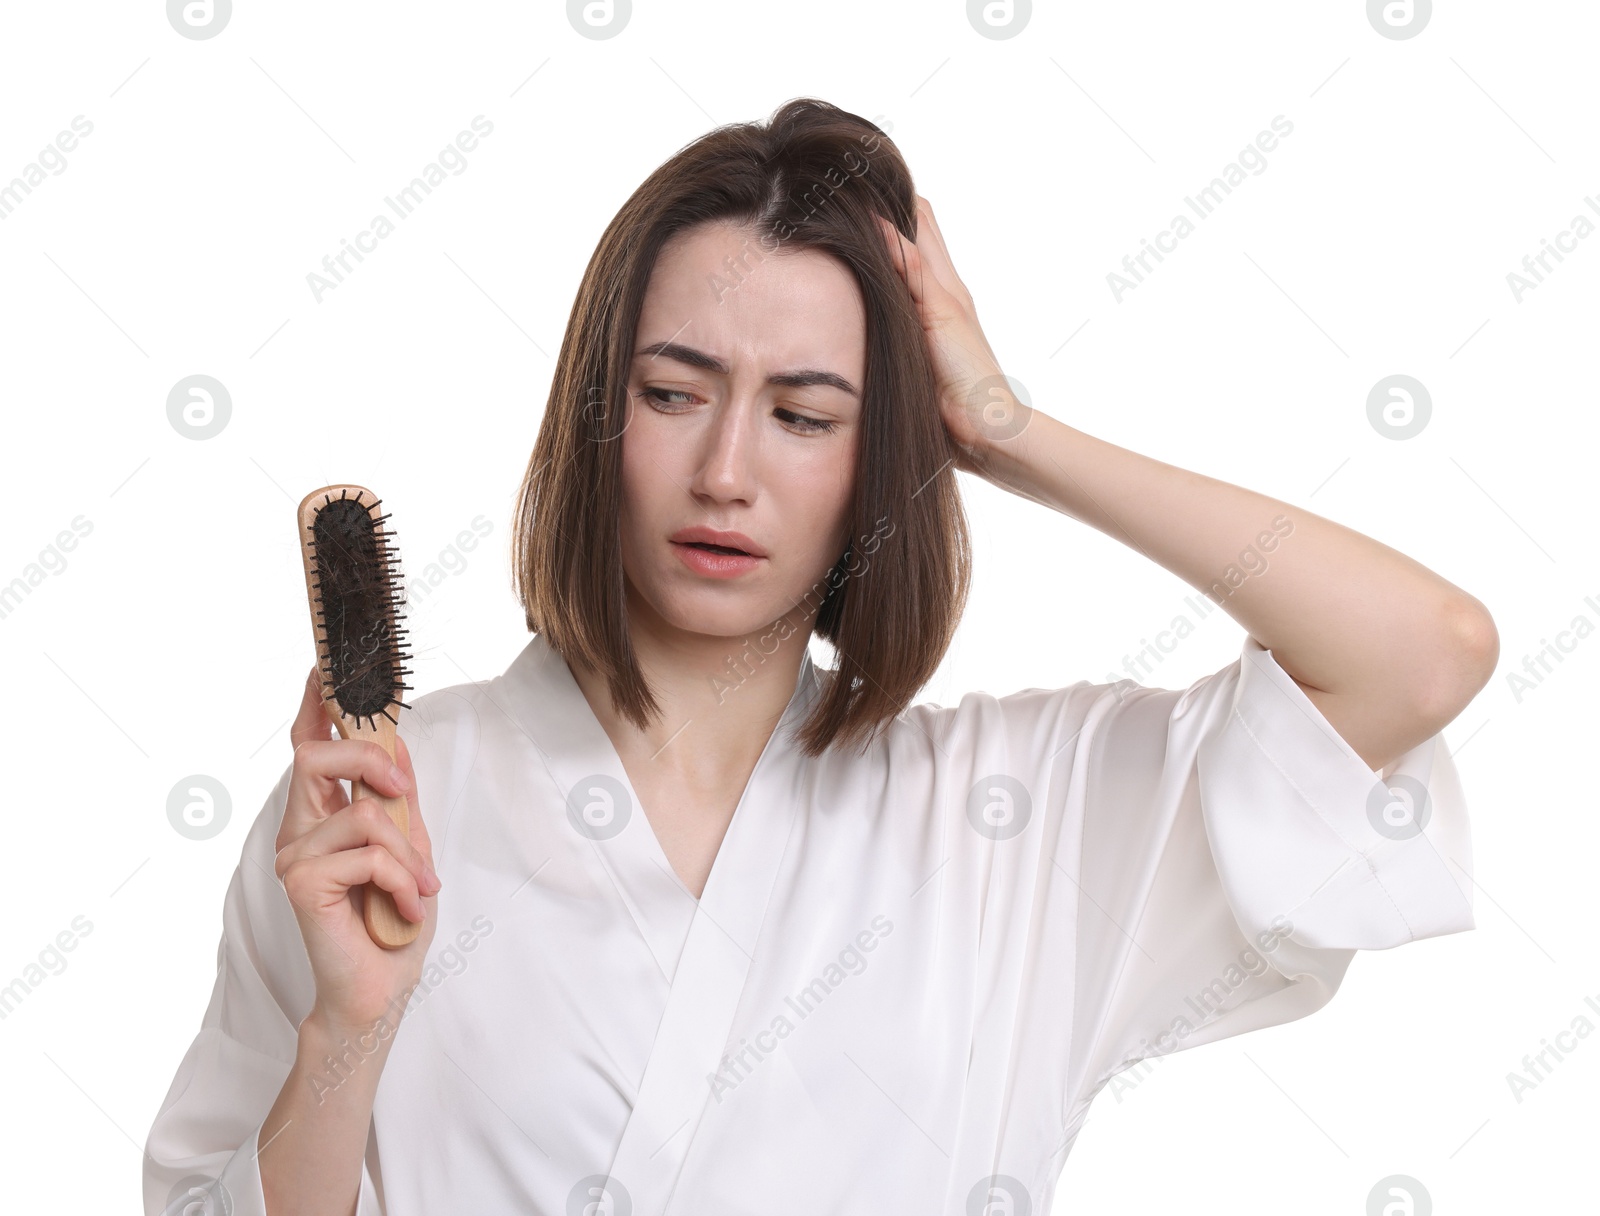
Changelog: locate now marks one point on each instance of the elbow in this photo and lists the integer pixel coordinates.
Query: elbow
(1468, 650)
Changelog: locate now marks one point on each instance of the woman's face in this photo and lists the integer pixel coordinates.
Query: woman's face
(744, 413)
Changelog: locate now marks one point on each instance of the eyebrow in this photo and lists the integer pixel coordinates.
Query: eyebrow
(698, 358)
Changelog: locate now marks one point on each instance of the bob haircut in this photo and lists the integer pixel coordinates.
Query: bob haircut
(813, 177)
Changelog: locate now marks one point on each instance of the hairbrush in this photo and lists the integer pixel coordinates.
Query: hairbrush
(356, 592)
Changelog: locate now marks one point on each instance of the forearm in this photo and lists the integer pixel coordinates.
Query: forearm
(1341, 612)
(311, 1146)
(1386, 650)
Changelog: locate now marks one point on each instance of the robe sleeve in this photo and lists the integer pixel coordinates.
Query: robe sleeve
(1232, 853)
(206, 1130)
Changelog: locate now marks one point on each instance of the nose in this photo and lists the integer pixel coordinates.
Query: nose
(725, 471)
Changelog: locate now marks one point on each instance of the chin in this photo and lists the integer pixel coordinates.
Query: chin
(721, 620)
(711, 611)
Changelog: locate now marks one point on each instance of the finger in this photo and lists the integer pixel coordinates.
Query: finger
(904, 254)
(936, 237)
(897, 242)
(319, 766)
(420, 839)
(935, 302)
(324, 881)
(311, 721)
(364, 822)
(311, 726)
(930, 242)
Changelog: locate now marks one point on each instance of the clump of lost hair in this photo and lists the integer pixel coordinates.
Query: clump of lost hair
(812, 177)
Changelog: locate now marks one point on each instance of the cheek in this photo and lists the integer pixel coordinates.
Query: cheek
(840, 476)
(652, 484)
(634, 506)
(820, 496)
(640, 471)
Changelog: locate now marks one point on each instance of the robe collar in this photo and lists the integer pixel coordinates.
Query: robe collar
(704, 948)
(603, 809)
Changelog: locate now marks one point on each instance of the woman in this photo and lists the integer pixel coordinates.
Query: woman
(725, 931)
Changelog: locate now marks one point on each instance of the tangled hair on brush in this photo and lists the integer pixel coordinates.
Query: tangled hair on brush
(815, 177)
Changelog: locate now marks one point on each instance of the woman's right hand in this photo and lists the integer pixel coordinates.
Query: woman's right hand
(328, 846)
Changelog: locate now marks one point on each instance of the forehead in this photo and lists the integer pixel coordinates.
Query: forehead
(716, 288)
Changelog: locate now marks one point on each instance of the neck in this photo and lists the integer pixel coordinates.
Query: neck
(720, 698)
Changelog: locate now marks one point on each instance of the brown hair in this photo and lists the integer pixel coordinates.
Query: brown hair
(812, 177)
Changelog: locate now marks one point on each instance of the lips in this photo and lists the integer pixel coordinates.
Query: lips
(696, 544)
(715, 541)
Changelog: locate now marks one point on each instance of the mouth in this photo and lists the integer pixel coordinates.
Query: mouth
(708, 559)
(710, 548)
(717, 542)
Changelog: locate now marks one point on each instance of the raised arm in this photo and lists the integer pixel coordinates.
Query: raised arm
(1387, 650)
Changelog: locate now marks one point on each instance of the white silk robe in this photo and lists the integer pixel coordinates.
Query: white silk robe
(910, 971)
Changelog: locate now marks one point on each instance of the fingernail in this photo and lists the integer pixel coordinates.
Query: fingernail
(399, 778)
(433, 878)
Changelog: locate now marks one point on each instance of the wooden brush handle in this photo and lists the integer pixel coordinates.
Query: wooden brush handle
(385, 923)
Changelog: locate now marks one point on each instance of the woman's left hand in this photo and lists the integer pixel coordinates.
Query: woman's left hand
(975, 402)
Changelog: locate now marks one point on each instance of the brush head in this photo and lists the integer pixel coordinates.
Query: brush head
(357, 598)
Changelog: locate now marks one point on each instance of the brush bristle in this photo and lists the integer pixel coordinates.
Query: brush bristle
(359, 599)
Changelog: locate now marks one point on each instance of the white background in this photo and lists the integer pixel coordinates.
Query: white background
(219, 172)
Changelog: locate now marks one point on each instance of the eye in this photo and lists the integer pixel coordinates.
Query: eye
(655, 397)
(815, 426)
